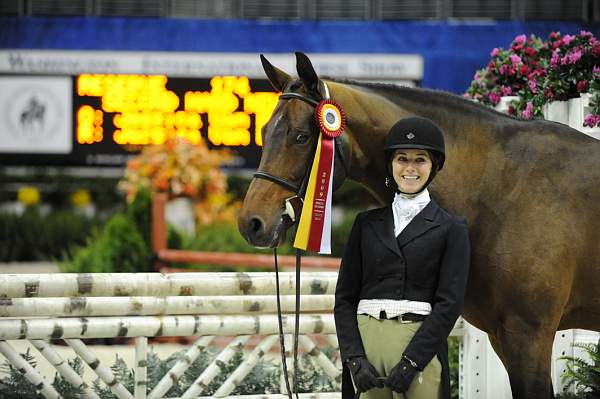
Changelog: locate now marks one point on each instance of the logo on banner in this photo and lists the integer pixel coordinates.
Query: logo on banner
(36, 115)
(32, 114)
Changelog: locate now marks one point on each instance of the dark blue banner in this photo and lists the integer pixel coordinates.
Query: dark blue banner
(452, 51)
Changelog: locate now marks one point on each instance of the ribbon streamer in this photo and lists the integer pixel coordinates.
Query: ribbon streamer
(314, 228)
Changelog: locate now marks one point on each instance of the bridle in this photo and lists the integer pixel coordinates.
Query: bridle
(300, 190)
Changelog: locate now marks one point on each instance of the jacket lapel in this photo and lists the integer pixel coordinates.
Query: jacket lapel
(384, 228)
(421, 223)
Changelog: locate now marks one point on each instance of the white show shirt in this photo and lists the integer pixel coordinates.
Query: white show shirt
(405, 208)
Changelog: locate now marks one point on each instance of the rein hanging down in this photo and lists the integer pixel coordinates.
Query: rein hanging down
(300, 192)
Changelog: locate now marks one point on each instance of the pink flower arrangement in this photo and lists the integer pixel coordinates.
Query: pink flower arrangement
(559, 68)
(509, 72)
(592, 120)
(528, 111)
(572, 62)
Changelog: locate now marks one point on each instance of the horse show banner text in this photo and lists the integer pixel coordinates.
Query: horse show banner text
(404, 68)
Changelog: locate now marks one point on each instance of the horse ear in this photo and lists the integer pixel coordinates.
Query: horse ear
(306, 72)
(277, 77)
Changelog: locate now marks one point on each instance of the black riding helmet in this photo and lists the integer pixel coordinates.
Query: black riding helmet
(416, 133)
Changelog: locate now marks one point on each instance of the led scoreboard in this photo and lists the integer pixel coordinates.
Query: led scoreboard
(121, 112)
(113, 116)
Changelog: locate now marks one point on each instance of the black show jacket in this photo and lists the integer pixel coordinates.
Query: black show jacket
(427, 262)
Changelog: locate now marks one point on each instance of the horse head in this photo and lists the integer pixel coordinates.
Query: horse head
(274, 199)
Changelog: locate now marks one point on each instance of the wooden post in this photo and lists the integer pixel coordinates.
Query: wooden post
(159, 225)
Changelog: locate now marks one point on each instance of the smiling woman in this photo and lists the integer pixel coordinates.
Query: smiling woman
(402, 279)
(414, 153)
(411, 169)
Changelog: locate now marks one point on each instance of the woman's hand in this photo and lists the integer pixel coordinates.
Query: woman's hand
(365, 376)
(401, 376)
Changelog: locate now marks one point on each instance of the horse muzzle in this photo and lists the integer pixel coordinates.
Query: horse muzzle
(259, 234)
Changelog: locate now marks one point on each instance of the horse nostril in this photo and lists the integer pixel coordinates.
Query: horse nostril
(255, 225)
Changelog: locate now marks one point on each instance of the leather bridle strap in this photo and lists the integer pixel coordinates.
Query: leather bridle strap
(299, 191)
(278, 180)
(298, 96)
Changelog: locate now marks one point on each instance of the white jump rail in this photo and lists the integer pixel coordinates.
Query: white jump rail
(71, 307)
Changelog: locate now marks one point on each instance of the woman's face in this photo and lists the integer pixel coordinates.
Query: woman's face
(411, 169)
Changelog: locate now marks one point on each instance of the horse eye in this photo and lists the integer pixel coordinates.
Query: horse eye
(302, 138)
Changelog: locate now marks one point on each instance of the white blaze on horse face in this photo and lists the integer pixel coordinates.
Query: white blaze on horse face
(411, 169)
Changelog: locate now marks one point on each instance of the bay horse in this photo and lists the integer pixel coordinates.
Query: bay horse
(530, 191)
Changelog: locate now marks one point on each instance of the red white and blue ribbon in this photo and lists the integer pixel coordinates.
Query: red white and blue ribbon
(314, 228)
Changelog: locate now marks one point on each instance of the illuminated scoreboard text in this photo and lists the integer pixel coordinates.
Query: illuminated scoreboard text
(142, 109)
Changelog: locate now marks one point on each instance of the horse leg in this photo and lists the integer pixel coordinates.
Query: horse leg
(527, 354)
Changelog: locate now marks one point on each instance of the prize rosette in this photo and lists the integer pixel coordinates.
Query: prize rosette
(331, 118)
(314, 228)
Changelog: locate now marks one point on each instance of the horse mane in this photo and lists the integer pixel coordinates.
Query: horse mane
(399, 94)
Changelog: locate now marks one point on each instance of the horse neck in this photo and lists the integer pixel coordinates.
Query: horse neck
(372, 110)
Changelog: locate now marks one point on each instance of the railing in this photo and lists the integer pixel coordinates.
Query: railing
(166, 256)
(208, 306)
(70, 307)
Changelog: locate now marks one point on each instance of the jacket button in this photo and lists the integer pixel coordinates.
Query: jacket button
(380, 277)
(398, 292)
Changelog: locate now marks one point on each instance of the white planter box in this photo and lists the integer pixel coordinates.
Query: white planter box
(179, 212)
(504, 103)
(579, 108)
(556, 111)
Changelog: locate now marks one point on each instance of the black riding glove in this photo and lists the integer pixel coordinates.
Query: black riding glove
(364, 374)
(401, 376)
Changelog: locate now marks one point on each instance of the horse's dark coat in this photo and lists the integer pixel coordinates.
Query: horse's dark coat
(529, 190)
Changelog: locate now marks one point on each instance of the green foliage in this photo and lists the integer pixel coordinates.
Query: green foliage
(354, 195)
(341, 231)
(237, 186)
(453, 346)
(119, 247)
(225, 237)
(124, 244)
(14, 385)
(140, 211)
(34, 237)
(584, 376)
(263, 378)
(571, 395)
(122, 373)
(221, 237)
(312, 379)
(63, 387)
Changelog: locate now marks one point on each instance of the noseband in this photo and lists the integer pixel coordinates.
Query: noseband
(300, 190)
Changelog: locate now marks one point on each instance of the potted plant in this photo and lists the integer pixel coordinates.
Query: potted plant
(510, 78)
(593, 118)
(582, 374)
(189, 173)
(571, 69)
(557, 79)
